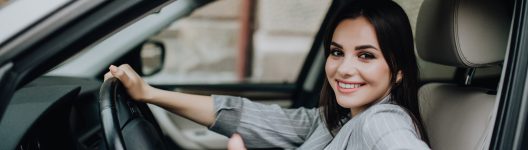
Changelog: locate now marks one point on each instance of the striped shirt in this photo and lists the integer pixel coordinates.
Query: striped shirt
(381, 126)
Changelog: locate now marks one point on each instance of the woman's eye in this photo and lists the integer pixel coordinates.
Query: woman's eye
(366, 56)
(336, 52)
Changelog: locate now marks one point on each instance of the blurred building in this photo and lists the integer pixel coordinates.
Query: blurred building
(281, 34)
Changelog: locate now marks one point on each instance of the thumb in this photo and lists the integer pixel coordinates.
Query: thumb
(235, 143)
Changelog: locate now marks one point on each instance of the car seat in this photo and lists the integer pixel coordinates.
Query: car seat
(467, 34)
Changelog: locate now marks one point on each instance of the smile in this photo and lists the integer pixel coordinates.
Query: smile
(347, 87)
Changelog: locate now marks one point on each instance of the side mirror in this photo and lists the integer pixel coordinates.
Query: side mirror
(152, 57)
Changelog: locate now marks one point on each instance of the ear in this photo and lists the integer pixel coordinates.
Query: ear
(399, 77)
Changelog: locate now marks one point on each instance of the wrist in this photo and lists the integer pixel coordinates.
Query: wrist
(148, 95)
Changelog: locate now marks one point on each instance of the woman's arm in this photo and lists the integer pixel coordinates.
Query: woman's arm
(263, 126)
(259, 125)
(194, 107)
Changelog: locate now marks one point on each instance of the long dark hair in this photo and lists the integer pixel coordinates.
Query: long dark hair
(395, 38)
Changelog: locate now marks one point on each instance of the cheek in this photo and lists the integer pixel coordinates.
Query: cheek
(330, 67)
(377, 72)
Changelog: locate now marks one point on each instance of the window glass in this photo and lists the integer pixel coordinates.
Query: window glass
(206, 47)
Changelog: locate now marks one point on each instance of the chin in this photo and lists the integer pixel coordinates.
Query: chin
(349, 103)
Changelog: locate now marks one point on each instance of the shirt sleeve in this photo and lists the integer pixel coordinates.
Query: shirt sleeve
(263, 126)
(391, 129)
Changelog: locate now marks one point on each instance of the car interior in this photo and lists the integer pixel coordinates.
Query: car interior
(58, 102)
(446, 34)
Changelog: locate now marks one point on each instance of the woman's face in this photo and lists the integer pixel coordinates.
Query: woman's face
(356, 68)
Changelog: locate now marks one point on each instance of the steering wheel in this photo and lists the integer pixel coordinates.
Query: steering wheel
(127, 124)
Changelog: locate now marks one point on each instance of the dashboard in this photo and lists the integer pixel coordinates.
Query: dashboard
(53, 113)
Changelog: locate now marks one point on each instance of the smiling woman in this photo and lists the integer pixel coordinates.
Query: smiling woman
(370, 60)
(372, 102)
(355, 67)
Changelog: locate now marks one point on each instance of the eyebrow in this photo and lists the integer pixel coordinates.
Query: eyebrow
(360, 47)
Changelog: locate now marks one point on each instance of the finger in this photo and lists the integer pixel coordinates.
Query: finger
(130, 73)
(126, 66)
(235, 143)
(107, 76)
(129, 70)
(119, 74)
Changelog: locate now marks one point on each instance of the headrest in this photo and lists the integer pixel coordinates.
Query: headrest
(463, 33)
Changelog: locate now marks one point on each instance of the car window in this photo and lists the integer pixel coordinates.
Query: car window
(208, 46)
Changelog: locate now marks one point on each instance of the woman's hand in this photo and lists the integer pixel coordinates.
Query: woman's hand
(136, 87)
(197, 108)
(235, 143)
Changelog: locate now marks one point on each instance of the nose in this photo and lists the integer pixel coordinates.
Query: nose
(347, 68)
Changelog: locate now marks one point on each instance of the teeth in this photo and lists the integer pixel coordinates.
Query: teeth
(349, 86)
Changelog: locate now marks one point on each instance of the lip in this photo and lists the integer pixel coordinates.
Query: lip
(343, 90)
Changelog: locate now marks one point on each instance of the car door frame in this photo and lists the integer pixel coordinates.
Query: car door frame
(510, 130)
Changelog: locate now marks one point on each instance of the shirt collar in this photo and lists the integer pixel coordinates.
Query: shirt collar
(384, 100)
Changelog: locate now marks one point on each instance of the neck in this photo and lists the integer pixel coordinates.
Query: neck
(357, 110)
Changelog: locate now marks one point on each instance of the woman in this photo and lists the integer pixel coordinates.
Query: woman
(369, 99)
